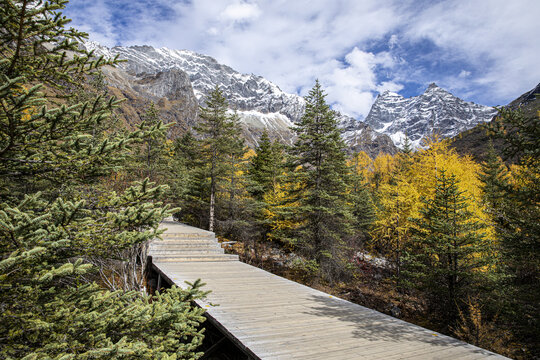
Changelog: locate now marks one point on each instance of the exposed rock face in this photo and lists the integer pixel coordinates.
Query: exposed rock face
(244, 92)
(436, 111)
(361, 137)
(170, 90)
(184, 79)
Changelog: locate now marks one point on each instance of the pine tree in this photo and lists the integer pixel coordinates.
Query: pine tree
(323, 179)
(265, 171)
(151, 156)
(219, 132)
(266, 167)
(407, 147)
(495, 181)
(449, 249)
(237, 166)
(60, 223)
(519, 228)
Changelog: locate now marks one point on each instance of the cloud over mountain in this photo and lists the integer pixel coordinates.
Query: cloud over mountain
(481, 51)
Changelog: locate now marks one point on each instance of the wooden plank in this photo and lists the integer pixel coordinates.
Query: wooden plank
(271, 317)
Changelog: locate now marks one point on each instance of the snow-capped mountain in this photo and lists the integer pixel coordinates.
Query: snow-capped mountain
(244, 92)
(436, 111)
(259, 103)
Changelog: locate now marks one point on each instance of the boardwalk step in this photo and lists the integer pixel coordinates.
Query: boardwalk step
(160, 245)
(159, 252)
(189, 235)
(186, 258)
(185, 241)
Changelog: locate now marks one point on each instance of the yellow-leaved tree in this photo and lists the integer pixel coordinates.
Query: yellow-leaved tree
(439, 156)
(402, 181)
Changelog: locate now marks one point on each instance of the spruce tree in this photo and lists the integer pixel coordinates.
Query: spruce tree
(448, 249)
(219, 132)
(184, 151)
(61, 227)
(193, 201)
(237, 166)
(518, 229)
(407, 147)
(266, 167)
(323, 178)
(265, 171)
(152, 154)
(495, 180)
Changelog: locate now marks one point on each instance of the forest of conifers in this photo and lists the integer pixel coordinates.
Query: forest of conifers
(81, 194)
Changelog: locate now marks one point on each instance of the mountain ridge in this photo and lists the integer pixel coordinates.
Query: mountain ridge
(475, 141)
(436, 111)
(259, 103)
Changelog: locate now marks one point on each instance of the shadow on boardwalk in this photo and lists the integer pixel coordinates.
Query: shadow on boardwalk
(374, 326)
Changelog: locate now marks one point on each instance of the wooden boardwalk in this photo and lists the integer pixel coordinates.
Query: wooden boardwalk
(270, 317)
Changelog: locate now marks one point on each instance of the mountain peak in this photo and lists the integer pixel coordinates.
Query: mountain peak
(388, 94)
(434, 88)
(436, 111)
(260, 104)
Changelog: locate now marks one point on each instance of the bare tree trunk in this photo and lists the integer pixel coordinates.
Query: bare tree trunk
(212, 192)
(232, 208)
(212, 205)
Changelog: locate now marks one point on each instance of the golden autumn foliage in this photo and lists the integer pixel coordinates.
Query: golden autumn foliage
(400, 182)
(278, 205)
(362, 165)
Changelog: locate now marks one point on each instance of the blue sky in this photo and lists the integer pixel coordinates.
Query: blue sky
(484, 51)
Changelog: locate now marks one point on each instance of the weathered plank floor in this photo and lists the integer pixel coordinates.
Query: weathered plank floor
(274, 318)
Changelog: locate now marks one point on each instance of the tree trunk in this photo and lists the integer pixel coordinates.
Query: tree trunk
(212, 193)
(232, 208)
(212, 205)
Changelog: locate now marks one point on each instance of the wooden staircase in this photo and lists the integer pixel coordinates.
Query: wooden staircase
(192, 244)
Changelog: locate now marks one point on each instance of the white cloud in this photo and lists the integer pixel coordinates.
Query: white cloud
(393, 41)
(496, 36)
(351, 86)
(96, 20)
(294, 42)
(238, 12)
(464, 74)
(389, 86)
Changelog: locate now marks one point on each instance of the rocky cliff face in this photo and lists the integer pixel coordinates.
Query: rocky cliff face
(361, 137)
(436, 111)
(184, 78)
(170, 90)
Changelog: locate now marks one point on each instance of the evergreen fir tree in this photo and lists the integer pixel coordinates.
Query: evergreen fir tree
(323, 177)
(152, 154)
(495, 179)
(179, 177)
(265, 167)
(519, 228)
(237, 165)
(220, 133)
(448, 249)
(57, 218)
(407, 147)
(265, 170)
